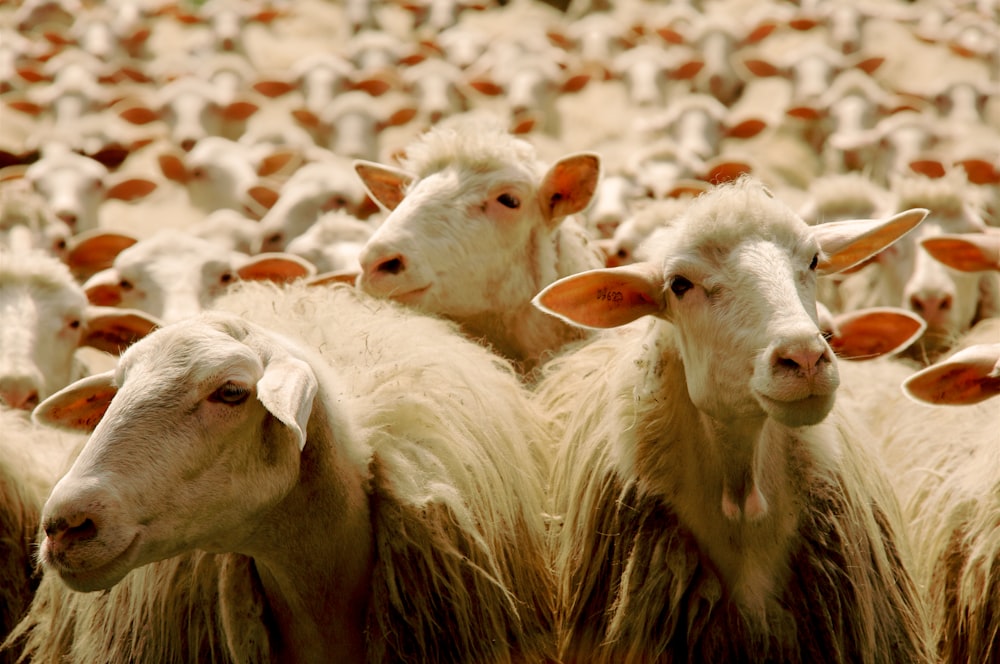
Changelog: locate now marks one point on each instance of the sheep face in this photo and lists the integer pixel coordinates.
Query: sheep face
(949, 300)
(195, 435)
(463, 242)
(74, 187)
(42, 323)
(737, 278)
(169, 276)
(175, 276)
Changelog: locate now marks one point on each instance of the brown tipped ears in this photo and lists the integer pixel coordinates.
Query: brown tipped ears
(569, 185)
(846, 243)
(968, 252)
(79, 406)
(385, 184)
(604, 298)
(967, 377)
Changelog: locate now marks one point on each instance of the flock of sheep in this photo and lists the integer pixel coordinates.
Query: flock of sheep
(453, 331)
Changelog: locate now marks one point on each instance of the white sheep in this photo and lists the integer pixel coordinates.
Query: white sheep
(333, 243)
(381, 502)
(32, 457)
(716, 505)
(315, 188)
(477, 226)
(45, 320)
(27, 223)
(171, 276)
(944, 466)
(75, 187)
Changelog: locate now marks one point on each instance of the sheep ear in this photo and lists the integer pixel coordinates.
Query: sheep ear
(93, 251)
(967, 377)
(102, 289)
(972, 252)
(79, 406)
(385, 184)
(604, 298)
(287, 389)
(112, 329)
(276, 266)
(869, 333)
(569, 186)
(846, 243)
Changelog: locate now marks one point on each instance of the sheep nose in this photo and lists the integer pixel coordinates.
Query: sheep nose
(19, 392)
(68, 217)
(388, 265)
(931, 306)
(64, 531)
(803, 357)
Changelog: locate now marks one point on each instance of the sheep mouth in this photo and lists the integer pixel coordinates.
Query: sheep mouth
(410, 295)
(100, 576)
(798, 412)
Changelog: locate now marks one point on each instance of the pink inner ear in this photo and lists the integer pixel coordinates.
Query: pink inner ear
(873, 334)
(81, 410)
(600, 298)
(278, 269)
(952, 385)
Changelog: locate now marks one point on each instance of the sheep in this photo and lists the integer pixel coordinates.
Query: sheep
(333, 243)
(45, 321)
(418, 448)
(76, 186)
(715, 505)
(634, 230)
(944, 466)
(26, 222)
(476, 227)
(31, 459)
(172, 276)
(315, 188)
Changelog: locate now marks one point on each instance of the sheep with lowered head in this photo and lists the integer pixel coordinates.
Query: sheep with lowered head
(716, 505)
(478, 225)
(378, 502)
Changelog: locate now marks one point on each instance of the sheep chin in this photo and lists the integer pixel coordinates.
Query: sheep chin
(102, 577)
(795, 413)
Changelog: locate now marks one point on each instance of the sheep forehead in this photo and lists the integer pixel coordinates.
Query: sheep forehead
(728, 217)
(66, 162)
(172, 248)
(189, 354)
(458, 187)
(475, 145)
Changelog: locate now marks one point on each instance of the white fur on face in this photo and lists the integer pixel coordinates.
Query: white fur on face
(752, 294)
(73, 186)
(464, 252)
(164, 430)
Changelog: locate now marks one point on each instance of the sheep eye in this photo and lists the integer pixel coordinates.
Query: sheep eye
(197, 172)
(74, 324)
(814, 263)
(125, 284)
(226, 278)
(508, 200)
(622, 253)
(680, 285)
(230, 393)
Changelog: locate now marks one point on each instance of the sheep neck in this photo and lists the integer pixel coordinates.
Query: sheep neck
(316, 575)
(730, 483)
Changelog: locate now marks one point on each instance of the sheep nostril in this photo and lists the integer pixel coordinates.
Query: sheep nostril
(76, 529)
(393, 265)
